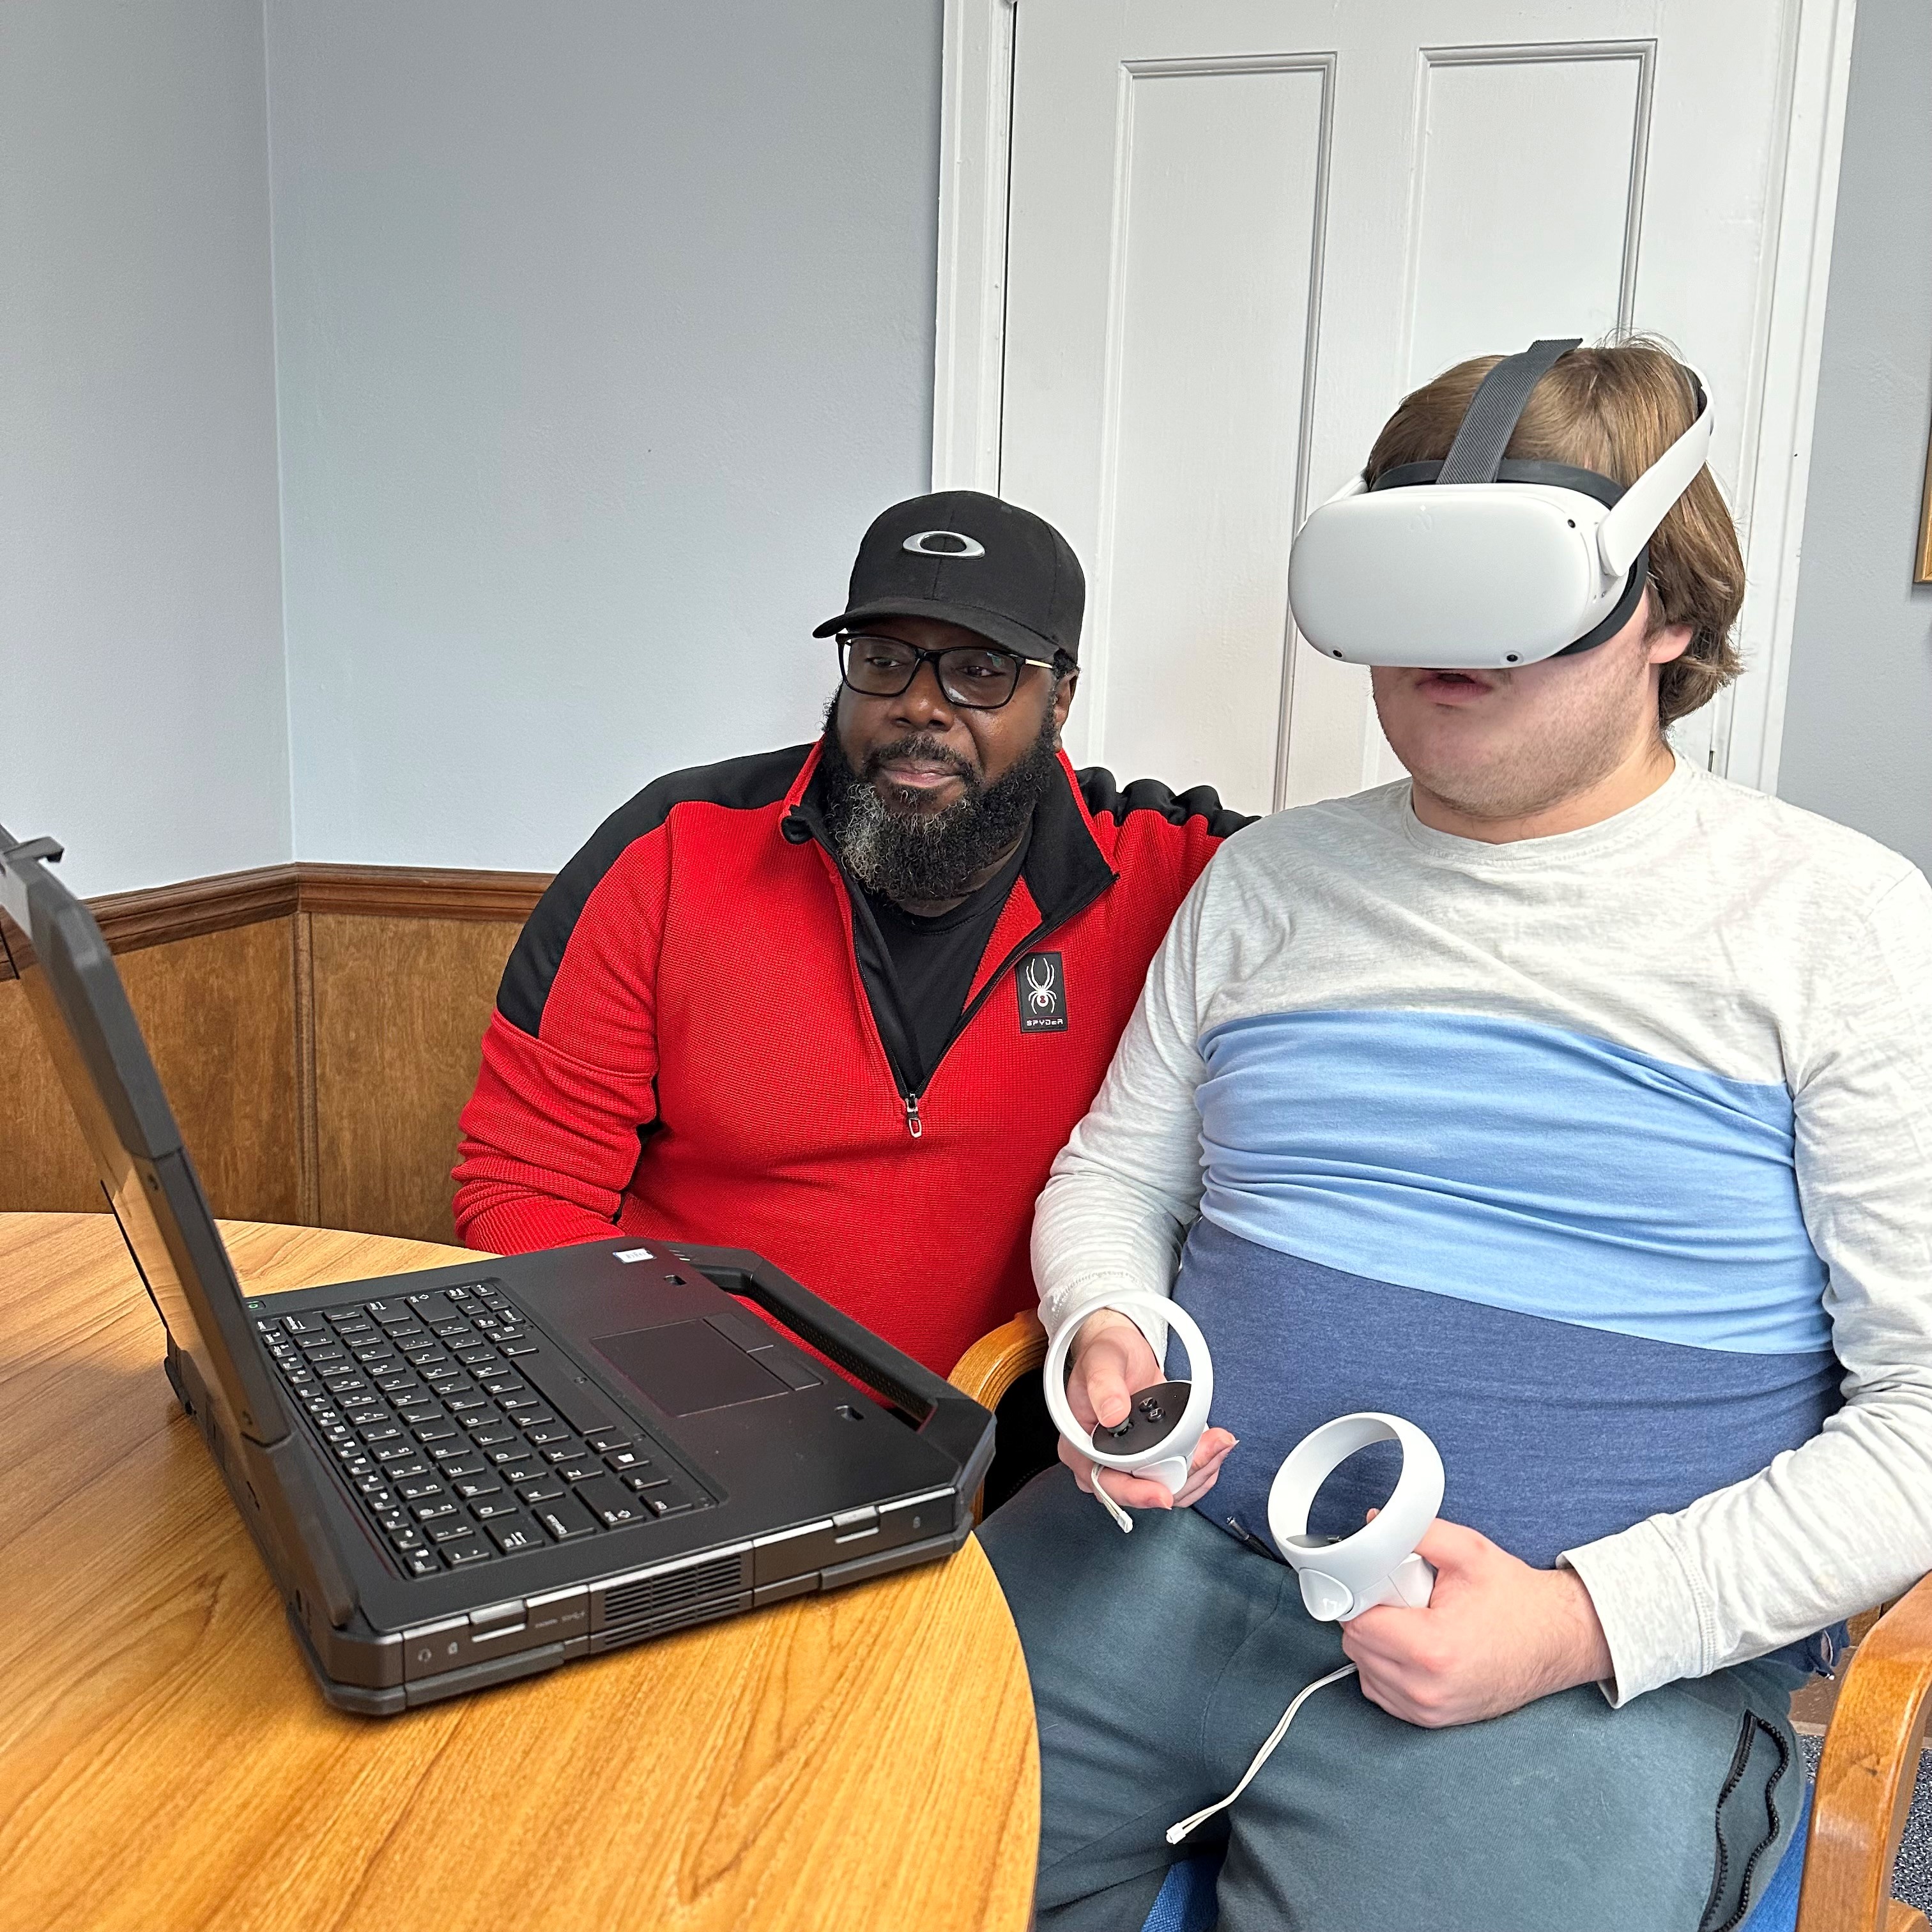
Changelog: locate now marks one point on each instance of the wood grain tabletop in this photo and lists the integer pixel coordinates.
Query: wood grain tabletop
(865, 1759)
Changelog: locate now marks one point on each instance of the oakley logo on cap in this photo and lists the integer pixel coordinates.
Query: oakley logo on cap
(943, 543)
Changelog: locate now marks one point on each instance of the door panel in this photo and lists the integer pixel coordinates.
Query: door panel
(1239, 230)
(1210, 306)
(1484, 215)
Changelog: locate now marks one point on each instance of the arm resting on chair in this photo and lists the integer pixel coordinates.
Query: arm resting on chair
(1866, 1776)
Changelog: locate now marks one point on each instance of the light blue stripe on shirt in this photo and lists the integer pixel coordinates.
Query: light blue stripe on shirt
(1517, 1165)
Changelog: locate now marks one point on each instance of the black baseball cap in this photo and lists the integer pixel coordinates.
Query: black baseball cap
(970, 559)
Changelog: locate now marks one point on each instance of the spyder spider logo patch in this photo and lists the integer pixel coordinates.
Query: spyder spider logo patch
(1041, 983)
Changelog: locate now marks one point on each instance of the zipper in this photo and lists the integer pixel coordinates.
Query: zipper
(914, 1125)
(909, 1100)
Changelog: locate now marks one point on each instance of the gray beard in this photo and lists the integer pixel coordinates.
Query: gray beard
(893, 847)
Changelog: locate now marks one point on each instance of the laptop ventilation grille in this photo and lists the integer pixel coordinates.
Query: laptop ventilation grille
(677, 1596)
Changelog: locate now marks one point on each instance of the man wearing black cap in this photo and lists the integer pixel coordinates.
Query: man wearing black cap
(842, 1003)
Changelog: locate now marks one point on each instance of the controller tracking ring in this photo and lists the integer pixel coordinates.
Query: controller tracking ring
(1166, 1460)
(1378, 1563)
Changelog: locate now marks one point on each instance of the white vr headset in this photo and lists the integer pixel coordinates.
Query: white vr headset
(1478, 563)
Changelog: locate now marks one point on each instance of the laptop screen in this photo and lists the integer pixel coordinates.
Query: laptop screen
(50, 941)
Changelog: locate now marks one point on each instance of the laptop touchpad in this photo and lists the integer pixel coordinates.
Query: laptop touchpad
(687, 1367)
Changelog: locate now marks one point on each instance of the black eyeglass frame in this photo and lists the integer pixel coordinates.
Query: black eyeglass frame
(846, 639)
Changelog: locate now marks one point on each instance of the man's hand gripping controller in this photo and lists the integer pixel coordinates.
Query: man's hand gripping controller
(1340, 1577)
(1164, 1423)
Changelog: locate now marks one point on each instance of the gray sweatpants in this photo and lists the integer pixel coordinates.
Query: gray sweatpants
(1160, 1660)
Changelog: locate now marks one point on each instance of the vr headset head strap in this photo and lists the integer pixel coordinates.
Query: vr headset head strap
(1476, 456)
(1494, 411)
(1628, 527)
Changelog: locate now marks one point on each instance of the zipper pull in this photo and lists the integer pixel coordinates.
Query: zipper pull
(914, 1125)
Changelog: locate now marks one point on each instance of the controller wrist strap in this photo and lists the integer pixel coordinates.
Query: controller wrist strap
(1175, 1833)
(1107, 1503)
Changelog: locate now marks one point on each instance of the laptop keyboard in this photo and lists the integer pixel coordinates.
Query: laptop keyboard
(433, 1407)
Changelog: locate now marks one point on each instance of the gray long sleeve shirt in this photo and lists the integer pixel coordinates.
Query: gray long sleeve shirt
(1605, 1157)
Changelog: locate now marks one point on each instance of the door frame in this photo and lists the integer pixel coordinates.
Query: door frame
(1747, 720)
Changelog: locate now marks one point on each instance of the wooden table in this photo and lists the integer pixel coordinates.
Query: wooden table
(860, 1760)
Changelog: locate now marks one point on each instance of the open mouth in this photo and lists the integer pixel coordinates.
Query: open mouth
(1448, 686)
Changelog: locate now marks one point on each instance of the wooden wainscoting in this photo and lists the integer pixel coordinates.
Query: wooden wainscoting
(404, 970)
(316, 1027)
(218, 1011)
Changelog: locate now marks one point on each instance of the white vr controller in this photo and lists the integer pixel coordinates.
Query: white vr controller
(1378, 1563)
(1165, 1422)
(1340, 1579)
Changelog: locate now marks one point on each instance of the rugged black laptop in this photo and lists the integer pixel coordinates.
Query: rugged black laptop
(475, 1474)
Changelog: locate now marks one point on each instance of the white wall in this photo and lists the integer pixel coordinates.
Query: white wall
(1858, 731)
(143, 715)
(602, 331)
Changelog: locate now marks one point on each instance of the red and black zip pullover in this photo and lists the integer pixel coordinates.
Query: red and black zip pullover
(697, 1038)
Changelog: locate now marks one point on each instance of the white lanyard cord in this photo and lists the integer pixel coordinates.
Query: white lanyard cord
(1107, 1503)
(1175, 1833)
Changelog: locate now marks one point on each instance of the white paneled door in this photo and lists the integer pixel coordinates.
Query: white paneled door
(1237, 230)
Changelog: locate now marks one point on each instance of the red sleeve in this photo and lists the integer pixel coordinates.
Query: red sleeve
(549, 1135)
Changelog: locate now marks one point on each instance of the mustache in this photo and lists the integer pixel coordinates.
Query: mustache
(922, 751)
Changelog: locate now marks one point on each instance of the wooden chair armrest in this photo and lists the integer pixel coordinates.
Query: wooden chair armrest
(1866, 1775)
(999, 1358)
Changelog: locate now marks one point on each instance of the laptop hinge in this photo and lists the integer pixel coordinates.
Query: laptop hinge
(301, 1530)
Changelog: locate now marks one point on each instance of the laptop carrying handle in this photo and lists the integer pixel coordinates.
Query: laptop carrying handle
(952, 1421)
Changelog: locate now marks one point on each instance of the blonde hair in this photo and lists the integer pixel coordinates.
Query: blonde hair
(1614, 410)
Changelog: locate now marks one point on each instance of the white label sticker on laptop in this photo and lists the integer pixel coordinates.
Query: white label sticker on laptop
(634, 1255)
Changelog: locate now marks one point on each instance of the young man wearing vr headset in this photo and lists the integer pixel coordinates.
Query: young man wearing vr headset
(841, 1003)
(1569, 1102)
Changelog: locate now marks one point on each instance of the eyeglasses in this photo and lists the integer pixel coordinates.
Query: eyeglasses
(976, 677)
